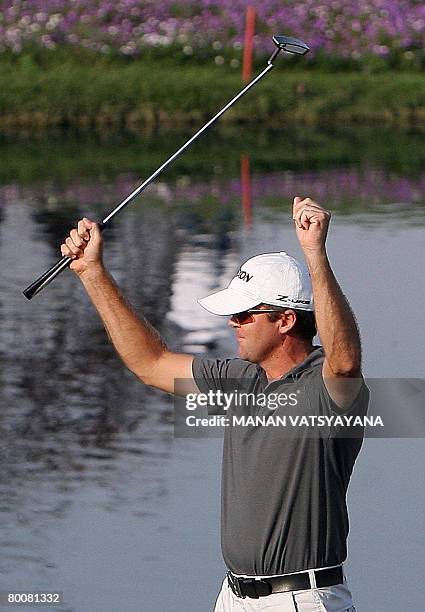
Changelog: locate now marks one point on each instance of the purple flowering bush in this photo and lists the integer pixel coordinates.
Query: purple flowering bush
(215, 28)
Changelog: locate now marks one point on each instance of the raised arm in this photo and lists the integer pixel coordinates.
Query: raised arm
(138, 344)
(335, 320)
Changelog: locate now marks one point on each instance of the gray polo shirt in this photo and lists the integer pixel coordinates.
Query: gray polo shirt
(283, 505)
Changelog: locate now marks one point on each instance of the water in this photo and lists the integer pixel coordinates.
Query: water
(97, 498)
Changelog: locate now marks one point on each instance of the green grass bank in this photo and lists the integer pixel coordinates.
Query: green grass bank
(155, 93)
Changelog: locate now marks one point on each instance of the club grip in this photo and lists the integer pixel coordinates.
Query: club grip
(47, 277)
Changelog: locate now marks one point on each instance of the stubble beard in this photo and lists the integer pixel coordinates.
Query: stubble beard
(248, 355)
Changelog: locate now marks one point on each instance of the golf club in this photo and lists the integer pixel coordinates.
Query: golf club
(283, 43)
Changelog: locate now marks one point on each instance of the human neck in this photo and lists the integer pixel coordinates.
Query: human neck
(291, 353)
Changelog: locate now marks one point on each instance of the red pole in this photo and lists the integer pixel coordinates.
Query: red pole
(246, 190)
(248, 43)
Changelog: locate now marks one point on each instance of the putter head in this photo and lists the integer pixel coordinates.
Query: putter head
(291, 45)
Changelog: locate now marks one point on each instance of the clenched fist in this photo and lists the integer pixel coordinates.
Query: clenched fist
(84, 245)
(311, 223)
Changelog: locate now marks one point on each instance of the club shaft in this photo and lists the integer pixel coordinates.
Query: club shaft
(187, 144)
(64, 262)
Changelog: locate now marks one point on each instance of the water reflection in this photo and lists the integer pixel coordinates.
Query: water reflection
(348, 189)
(76, 427)
(194, 277)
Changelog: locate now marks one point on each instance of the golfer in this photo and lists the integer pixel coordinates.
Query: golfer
(284, 514)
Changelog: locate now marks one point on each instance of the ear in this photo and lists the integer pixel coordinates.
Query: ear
(287, 321)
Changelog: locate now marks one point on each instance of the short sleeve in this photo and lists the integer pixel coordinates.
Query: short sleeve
(357, 408)
(224, 375)
(219, 374)
(338, 423)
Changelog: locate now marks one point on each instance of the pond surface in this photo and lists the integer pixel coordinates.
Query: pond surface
(98, 499)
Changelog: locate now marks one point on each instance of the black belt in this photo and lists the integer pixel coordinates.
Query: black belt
(261, 587)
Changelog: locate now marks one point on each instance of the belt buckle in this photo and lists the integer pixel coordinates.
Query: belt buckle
(254, 588)
(234, 585)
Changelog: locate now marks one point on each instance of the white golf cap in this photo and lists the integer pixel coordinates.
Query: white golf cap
(270, 278)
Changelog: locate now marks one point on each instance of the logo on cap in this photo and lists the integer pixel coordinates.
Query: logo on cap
(243, 275)
(283, 298)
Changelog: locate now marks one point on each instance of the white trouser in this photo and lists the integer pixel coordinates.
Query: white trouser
(336, 598)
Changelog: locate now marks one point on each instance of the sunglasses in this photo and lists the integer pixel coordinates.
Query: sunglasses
(241, 318)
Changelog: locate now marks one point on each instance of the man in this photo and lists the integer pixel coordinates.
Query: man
(284, 516)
